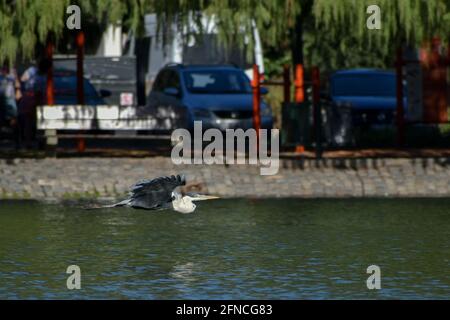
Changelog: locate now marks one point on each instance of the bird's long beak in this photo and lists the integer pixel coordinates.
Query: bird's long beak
(201, 197)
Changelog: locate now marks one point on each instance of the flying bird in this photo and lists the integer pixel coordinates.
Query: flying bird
(161, 193)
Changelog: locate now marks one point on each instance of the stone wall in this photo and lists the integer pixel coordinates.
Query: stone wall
(71, 178)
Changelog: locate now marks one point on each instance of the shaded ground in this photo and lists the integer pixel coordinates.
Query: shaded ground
(137, 148)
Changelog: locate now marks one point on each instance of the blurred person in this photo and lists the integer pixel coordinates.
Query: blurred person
(27, 105)
(29, 77)
(10, 93)
(10, 89)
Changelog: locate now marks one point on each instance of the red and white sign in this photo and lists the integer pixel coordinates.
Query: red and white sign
(126, 99)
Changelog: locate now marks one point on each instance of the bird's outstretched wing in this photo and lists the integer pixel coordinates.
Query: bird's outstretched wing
(155, 193)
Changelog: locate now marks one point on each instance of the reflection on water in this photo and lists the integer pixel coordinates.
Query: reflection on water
(228, 249)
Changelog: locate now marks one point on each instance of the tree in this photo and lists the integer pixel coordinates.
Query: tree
(24, 25)
(408, 22)
(332, 29)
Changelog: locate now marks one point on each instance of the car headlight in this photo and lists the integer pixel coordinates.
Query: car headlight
(201, 113)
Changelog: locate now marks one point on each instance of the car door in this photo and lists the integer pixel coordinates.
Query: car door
(155, 98)
(172, 81)
(166, 108)
(173, 104)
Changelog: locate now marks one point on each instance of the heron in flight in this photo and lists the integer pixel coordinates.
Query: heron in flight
(160, 193)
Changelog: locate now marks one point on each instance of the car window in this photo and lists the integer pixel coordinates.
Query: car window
(173, 80)
(217, 81)
(374, 85)
(160, 82)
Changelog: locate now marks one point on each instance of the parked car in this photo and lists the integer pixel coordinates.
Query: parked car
(218, 95)
(65, 90)
(369, 93)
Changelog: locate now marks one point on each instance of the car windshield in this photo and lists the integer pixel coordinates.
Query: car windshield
(374, 85)
(217, 81)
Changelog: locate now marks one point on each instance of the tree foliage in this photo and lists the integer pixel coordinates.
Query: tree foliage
(403, 21)
(337, 26)
(26, 23)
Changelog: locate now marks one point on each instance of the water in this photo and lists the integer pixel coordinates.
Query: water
(228, 249)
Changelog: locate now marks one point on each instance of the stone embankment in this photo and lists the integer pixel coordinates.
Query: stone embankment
(72, 178)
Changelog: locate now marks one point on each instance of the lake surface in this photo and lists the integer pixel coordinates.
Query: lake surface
(228, 249)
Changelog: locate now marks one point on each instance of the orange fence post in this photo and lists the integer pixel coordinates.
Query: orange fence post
(80, 56)
(256, 84)
(299, 84)
(50, 83)
(435, 88)
(80, 40)
(81, 145)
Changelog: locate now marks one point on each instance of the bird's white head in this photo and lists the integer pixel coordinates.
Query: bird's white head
(185, 204)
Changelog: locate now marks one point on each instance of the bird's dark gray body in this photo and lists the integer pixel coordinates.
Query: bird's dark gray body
(160, 193)
(153, 194)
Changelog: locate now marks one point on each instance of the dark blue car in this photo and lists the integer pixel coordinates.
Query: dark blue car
(371, 95)
(219, 96)
(65, 90)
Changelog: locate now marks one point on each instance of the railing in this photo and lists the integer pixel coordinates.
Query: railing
(85, 121)
(299, 97)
